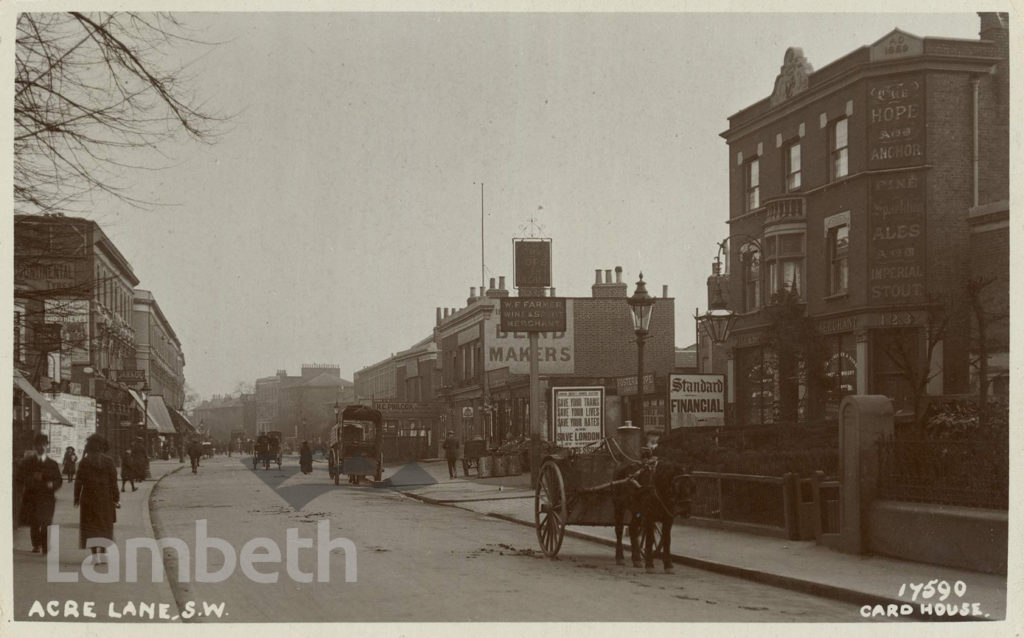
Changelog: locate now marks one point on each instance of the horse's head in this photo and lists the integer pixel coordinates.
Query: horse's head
(683, 489)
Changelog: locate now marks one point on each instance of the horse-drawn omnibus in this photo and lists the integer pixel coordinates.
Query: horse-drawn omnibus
(267, 450)
(355, 445)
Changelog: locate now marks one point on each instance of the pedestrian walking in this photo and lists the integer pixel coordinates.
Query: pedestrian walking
(305, 458)
(129, 470)
(41, 477)
(451, 453)
(69, 463)
(96, 495)
(140, 459)
(195, 451)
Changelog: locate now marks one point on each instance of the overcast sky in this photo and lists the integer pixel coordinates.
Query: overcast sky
(342, 204)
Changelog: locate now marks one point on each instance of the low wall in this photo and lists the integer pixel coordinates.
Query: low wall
(962, 537)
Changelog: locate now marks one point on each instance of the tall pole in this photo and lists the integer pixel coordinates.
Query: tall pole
(482, 284)
(640, 384)
(534, 410)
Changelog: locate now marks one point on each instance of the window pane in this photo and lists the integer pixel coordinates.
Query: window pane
(840, 135)
(841, 239)
(840, 165)
(793, 243)
(755, 174)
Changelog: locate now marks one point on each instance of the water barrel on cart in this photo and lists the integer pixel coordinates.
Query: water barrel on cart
(485, 466)
(500, 465)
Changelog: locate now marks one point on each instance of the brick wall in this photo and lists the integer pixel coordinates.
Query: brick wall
(605, 343)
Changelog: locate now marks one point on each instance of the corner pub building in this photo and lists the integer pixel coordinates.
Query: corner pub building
(864, 197)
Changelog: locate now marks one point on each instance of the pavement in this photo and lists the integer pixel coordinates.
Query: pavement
(31, 581)
(803, 566)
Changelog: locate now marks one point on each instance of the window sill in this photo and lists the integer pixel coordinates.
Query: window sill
(837, 296)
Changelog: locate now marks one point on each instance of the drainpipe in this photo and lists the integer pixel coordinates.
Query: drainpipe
(974, 157)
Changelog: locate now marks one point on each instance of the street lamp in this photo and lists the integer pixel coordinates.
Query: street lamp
(145, 417)
(717, 322)
(337, 412)
(640, 306)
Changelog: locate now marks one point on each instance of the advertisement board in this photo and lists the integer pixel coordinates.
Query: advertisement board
(555, 350)
(73, 317)
(81, 412)
(531, 261)
(696, 400)
(578, 416)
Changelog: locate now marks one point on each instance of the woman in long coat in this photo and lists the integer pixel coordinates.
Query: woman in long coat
(96, 493)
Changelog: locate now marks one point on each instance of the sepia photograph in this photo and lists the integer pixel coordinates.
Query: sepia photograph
(522, 315)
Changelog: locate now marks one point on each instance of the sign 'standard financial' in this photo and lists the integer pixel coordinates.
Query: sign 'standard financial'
(528, 314)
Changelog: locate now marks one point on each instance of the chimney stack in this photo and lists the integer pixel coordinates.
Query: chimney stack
(607, 288)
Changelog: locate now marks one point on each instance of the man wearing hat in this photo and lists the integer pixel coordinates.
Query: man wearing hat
(451, 453)
(41, 477)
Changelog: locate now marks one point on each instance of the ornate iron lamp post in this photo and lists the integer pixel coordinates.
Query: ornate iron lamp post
(641, 305)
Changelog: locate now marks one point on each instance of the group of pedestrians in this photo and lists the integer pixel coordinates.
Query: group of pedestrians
(95, 491)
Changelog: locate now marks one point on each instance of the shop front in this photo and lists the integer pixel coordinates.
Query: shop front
(411, 430)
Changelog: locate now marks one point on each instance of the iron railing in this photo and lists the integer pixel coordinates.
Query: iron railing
(740, 498)
(964, 473)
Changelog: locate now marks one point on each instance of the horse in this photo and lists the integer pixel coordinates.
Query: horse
(652, 491)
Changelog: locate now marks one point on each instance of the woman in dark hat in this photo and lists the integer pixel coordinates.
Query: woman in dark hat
(96, 493)
(70, 463)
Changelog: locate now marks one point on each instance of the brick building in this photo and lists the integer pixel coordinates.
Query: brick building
(864, 197)
(485, 371)
(408, 383)
(73, 329)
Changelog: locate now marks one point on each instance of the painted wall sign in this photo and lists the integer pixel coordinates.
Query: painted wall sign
(579, 416)
(555, 350)
(896, 123)
(897, 239)
(529, 314)
(696, 400)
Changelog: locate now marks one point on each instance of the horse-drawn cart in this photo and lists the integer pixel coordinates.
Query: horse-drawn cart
(603, 485)
(267, 450)
(355, 445)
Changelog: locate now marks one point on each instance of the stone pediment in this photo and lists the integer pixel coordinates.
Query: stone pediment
(898, 44)
(792, 78)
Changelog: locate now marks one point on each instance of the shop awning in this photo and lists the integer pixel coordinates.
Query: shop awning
(159, 419)
(158, 412)
(181, 422)
(37, 396)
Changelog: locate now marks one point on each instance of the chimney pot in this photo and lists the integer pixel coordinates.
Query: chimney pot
(501, 282)
(552, 294)
(472, 292)
(664, 291)
(608, 276)
(438, 320)
(445, 313)
(597, 276)
(492, 283)
(618, 274)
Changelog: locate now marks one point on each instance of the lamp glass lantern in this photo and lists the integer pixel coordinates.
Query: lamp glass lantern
(640, 305)
(717, 322)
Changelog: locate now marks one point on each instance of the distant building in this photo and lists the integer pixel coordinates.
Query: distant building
(870, 191)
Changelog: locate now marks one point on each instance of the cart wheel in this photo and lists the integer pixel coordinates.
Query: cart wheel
(659, 543)
(550, 512)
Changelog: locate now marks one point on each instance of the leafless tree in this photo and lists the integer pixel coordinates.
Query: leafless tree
(902, 346)
(96, 94)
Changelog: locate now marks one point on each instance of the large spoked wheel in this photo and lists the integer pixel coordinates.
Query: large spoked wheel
(659, 543)
(550, 511)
